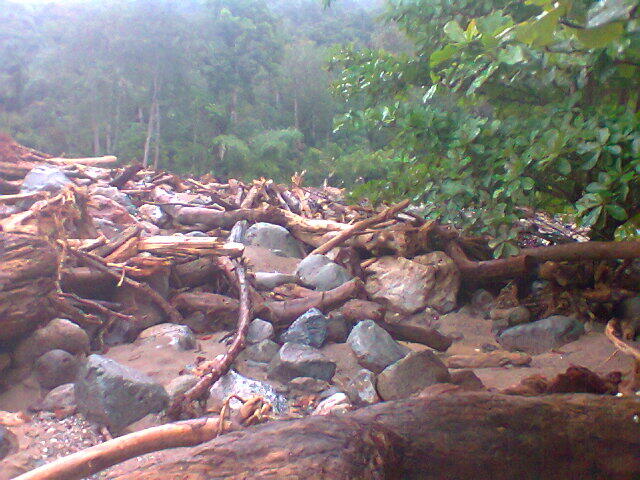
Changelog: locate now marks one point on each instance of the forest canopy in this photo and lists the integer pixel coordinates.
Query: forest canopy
(477, 110)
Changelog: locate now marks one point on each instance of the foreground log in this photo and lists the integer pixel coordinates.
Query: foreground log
(458, 436)
(28, 271)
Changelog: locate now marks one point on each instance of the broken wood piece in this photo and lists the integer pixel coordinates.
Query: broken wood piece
(95, 459)
(359, 226)
(285, 312)
(497, 358)
(88, 161)
(126, 175)
(174, 245)
(13, 198)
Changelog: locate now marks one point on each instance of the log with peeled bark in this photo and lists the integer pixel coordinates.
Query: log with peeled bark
(174, 245)
(462, 436)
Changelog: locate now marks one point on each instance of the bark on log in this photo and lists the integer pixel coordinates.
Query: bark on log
(284, 312)
(28, 271)
(460, 436)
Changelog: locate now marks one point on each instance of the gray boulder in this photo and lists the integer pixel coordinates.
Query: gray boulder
(259, 330)
(309, 328)
(44, 178)
(55, 368)
(317, 271)
(238, 232)
(296, 360)
(374, 347)
(8, 442)
(261, 352)
(118, 196)
(275, 238)
(234, 383)
(59, 334)
(410, 375)
(178, 337)
(153, 214)
(542, 335)
(116, 395)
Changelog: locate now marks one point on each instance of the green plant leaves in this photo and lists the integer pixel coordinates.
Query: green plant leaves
(600, 37)
(455, 32)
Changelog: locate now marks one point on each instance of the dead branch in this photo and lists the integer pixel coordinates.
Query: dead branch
(359, 226)
(218, 367)
(126, 175)
(95, 459)
(99, 264)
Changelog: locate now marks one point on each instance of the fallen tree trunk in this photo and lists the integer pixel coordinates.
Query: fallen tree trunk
(471, 436)
(524, 263)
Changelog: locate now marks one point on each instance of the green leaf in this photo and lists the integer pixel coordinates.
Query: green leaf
(603, 135)
(442, 55)
(607, 11)
(617, 212)
(455, 32)
(564, 167)
(528, 183)
(600, 37)
(512, 55)
(630, 230)
(592, 217)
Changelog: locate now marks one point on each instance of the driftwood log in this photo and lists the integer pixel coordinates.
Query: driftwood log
(471, 436)
(28, 271)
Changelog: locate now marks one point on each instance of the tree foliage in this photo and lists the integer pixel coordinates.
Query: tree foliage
(504, 105)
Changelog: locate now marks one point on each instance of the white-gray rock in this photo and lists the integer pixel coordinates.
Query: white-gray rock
(320, 273)
(172, 335)
(374, 347)
(542, 335)
(362, 388)
(259, 330)
(262, 352)
(410, 375)
(234, 383)
(275, 238)
(296, 360)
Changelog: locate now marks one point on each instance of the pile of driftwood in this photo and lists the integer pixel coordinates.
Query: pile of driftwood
(74, 249)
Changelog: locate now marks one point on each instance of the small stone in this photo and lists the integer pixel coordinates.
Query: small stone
(310, 329)
(337, 328)
(55, 368)
(178, 337)
(196, 233)
(489, 347)
(296, 360)
(308, 385)
(180, 385)
(411, 375)
(362, 388)
(58, 334)
(61, 397)
(275, 238)
(467, 380)
(198, 322)
(513, 316)
(153, 214)
(482, 301)
(374, 347)
(271, 280)
(320, 273)
(8, 442)
(336, 403)
(259, 330)
(262, 352)
(116, 395)
(235, 384)
(542, 335)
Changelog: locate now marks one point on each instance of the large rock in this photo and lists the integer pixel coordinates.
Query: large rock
(116, 395)
(119, 196)
(258, 331)
(44, 178)
(542, 335)
(275, 238)
(309, 328)
(408, 286)
(296, 360)
(55, 368)
(180, 385)
(153, 214)
(235, 384)
(171, 335)
(58, 334)
(374, 347)
(317, 271)
(411, 374)
(271, 280)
